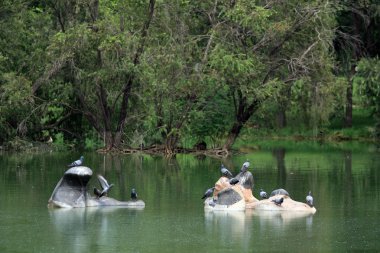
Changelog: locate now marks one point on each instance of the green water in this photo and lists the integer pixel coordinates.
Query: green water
(345, 185)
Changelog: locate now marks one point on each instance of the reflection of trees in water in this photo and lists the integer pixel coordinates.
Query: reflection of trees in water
(348, 187)
(279, 154)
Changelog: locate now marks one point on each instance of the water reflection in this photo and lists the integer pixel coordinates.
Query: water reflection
(250, 228)
(229, 226)
(228, 223)
(90, 228)
(280, 218)
(345, 185)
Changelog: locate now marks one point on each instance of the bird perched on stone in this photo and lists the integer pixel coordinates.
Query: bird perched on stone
(105, 187)
(97, 192)
(245, 166)
(234, 181)
(133, 194)
(212, 203)
(278, 202)
(310, 200)
(208, 193)
(77, 162)
(225, 172)
(263, 194)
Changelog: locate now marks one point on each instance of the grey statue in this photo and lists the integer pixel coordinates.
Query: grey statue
(71, 192)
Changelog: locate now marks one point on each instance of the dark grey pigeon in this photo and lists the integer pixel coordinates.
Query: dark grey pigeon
(105, 186)
(310, 200)
(234, 181)
(225, 172)
(212, 203)
(208, 193)
(77, 162)
(278, 202)
(263, 194)
(245, 166)
(97, 192)
(133, 194)
(279, 192)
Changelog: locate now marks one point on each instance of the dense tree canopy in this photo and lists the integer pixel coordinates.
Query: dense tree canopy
(123, 73)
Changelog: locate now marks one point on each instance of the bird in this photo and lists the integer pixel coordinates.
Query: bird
(97, 192)
(134, 194)
(309, 199)
(245, 166)
(278, 202)
(225, 172)
(77, 162)
(105, 186)
(208, 193)
(263, 194)
(234, 181)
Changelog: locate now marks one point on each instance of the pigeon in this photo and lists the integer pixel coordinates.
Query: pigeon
(245, 166)
(208, 193)
(263, 194)
(105, 186)
(309, 199)
(97, 192)
(234, 181)
(278, 202)
(133, 194)
(77, 162)
(225, 172)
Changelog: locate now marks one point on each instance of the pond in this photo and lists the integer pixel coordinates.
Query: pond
(345, 184)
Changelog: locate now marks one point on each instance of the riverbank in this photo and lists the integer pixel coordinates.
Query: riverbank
(246, 143)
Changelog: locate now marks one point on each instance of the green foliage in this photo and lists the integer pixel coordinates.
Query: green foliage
(368, 79)
(201, 67)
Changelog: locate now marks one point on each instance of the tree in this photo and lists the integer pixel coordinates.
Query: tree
(368, 78)
(98, 54)
(174, 73)
(356, 37)
(259, 48)
(22, 42)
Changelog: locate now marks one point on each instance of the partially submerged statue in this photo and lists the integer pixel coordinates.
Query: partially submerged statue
(240, 197)
(71, 192)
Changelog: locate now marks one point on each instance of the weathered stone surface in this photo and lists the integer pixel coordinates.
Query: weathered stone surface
(288, 205)
(226, 192)
(71, 192)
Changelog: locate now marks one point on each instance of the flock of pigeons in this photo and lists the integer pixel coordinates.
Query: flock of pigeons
(263, 195)
(106, 187)
(225, 172)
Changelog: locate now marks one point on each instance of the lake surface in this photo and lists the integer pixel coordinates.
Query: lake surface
(345, 185)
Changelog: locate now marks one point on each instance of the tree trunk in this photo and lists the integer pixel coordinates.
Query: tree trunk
(243, 113)
(233, 134)
(108, 140)
(171, 144)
